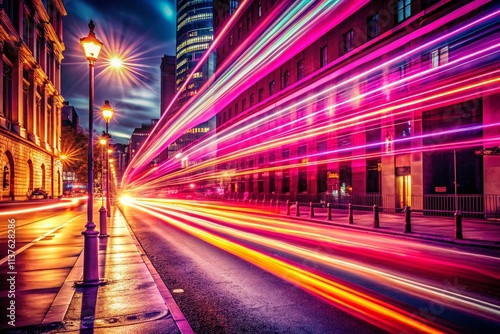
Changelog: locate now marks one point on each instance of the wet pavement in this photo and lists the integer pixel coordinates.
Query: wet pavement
(132, 298)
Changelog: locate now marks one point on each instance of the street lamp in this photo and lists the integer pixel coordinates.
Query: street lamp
(103, 230)
(91, 46)
(107, 113)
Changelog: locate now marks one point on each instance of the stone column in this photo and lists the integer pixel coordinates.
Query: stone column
(2, 113)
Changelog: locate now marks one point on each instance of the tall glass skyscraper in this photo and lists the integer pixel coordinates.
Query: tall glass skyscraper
(194, 36)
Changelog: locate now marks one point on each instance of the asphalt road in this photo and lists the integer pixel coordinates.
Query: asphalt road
(255, 272)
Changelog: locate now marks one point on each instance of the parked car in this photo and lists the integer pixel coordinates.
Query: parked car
(37, 192)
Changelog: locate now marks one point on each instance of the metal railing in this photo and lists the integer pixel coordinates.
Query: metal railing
(472, 206)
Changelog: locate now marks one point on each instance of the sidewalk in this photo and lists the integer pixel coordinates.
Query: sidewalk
(132, 299)
(475, 232)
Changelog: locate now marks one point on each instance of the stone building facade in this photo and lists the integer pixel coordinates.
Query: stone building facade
(31, 52)
(401, 108)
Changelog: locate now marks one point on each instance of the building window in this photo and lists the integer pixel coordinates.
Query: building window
(373, 175)
(259, 9)
(439, 57)
(323, 56)
(230, 114)
(372, 26)
(402, 134)
(243, 104)
(403, 10)
(348, 41)
(249, 21)
(236, 109)
(302, 182)
(251, 99)
(271, 88)
(286, 79)
(285, 184)
(300, 70)
(240, 28)
(231, 39)
(261, 94)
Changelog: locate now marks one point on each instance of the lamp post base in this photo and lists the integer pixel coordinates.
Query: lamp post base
(102, 223)
(90, 257)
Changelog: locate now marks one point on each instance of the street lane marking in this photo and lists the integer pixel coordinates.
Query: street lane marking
(20, 250)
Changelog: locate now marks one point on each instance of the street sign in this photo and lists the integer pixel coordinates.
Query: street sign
(488, 151)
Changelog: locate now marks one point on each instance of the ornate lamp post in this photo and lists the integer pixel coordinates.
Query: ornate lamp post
(91, 46)
(107, 113)
(103, 230)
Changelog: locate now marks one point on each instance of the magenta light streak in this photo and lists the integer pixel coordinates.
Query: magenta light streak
(427, 44)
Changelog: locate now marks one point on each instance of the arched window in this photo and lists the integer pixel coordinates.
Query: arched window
(30, 170)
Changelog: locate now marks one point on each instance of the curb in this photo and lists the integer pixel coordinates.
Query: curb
(174, 309)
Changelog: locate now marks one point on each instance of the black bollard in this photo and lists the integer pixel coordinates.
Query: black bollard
(311, 210)
(376, 222)
(407, 219)
(297, 212)
(351, 218)
(287, 203)
(329, 212)
(271, 203)
(458, 225)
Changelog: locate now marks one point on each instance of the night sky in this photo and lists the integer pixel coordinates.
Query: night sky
(138, 32)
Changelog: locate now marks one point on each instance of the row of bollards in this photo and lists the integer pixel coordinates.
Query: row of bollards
(376, 218)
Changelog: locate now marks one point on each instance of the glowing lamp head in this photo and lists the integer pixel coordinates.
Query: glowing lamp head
(107, 111)
(191, 186)
(178, 155)
(103, 141)
(91, 45)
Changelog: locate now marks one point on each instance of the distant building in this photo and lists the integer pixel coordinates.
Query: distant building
(69, 116)
(167, 82)
(138, 138)
(120, 158)
(31, 52)
(194, 37)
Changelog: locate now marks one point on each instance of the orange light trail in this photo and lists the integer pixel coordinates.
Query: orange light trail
(64, 203)
(205, 219)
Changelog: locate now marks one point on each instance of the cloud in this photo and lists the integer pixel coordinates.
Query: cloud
(146, 32)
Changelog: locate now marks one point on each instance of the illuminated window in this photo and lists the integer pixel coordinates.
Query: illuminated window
(439, 57)
(259, 9)
(231, 39)
(403, 10)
